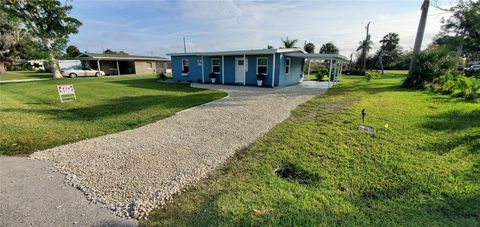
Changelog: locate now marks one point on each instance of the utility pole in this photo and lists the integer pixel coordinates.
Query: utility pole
(419, 38)
(364, 50)
(184, 46)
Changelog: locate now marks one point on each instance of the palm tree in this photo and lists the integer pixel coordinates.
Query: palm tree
(329, 48)
(365, 44)
(390, 41)
(287, 43)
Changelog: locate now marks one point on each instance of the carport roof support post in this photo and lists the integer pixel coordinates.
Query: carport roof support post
(118, 69)
(98, 65)
(244, 71)
(273, 72)
(329, 73)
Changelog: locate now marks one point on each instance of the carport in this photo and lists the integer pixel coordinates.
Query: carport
(336, 64)
(123, 64)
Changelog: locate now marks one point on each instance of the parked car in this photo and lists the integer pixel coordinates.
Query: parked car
(74, 72)
(473, 70)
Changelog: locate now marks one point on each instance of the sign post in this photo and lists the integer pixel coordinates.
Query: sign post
(66, 93)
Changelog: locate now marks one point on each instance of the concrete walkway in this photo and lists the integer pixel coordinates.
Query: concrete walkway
(22, 80)
(136, 170)
(32, 193)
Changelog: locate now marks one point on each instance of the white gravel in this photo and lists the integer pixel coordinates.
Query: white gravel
(136, 170)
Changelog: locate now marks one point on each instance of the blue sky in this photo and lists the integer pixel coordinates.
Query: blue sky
(157, 27)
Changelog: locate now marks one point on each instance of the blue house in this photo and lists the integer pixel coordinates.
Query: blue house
(281, 67)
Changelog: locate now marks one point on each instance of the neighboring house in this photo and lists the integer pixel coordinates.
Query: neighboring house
(282, 67)
(124, 64)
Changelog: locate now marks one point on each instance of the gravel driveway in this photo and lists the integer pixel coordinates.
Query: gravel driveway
(133, 171)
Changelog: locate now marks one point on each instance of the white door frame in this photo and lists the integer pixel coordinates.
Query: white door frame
(240, 77)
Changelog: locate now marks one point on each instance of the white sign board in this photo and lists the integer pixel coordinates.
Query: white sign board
(66, 93)
(366, 129)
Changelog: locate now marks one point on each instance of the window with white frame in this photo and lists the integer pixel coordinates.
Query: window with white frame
(185, 66)
(287, 66)
(262, 65)
(216, 65)
(149, 65)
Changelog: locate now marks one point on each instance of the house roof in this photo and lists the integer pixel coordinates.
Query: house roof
(95, 56)
(336, 57)
(239, 52)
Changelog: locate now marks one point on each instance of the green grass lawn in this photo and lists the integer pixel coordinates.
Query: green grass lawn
(19, 75)
(32, 117)
(423, 170)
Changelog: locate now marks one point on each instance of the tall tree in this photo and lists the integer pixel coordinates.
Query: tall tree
(419, 37)
(289, 43)
(328, 48)
(10, 37)
(389, 51)
(72, 51)
(309, 48)
(365, 45)
(464, 23)
(46, 20)
(269, 46)
(390, 41)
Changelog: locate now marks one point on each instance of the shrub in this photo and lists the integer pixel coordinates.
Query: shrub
(431, 64)
(260, 76)
(357, 72)
(161, 76)
(321, 73)
(457, 84)
(371, 74)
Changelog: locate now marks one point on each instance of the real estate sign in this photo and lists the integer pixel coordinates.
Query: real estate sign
(66, 93)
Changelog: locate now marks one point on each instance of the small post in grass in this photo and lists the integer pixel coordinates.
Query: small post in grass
(364, 112)
(66, 93)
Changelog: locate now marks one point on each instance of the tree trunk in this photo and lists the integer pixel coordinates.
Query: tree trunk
(460, 49)
(51, 60)
(381, 61)
(3, 68)
(419, 37)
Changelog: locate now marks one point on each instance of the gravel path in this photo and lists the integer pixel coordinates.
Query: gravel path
(33, 194)
(133, 171)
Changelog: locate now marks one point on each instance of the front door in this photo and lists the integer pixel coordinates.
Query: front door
(239, 70)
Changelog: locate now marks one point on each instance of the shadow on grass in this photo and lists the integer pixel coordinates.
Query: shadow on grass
(151, 83)
(453, 122)
(121, 106)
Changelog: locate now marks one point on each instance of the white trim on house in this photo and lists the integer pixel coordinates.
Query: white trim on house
(223, 71)
(183, 66)
(241, 52)
(273, 71)
(287, 66)
(203, 72)
(219, 65)
(244, 70)
(266, 65)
